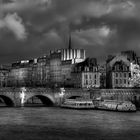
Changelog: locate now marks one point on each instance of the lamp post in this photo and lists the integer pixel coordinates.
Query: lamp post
(61, 95)
(22, 96)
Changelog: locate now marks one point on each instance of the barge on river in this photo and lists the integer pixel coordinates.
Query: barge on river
(78, 104)
(113, 105)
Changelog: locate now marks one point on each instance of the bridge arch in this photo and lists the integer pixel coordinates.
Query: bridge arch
(7, 100)
(73, 97)
(45, 99)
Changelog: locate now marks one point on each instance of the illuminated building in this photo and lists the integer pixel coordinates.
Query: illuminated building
(21, 73)
(118, 72)
(75, 55)
(62, 62)
(47, 71)
(41, 71)
(4, 73)
(86, 74)
(66, 69)
(55, 68)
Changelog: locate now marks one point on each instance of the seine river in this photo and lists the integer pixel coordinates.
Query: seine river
(52, 123)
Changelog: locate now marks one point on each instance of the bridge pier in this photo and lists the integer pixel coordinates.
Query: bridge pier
(18, 105)
(17, 99)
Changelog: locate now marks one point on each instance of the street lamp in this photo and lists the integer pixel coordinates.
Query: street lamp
(22, 95)
(61, 94)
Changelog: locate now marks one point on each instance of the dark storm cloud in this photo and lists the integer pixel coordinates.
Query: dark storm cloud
(99, 26)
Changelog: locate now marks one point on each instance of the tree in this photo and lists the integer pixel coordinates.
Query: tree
(135, 75)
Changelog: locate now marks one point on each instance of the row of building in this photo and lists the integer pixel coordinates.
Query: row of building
(70, 68)
(53, 69)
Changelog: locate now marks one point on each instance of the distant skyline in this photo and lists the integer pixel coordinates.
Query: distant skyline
(31, 28)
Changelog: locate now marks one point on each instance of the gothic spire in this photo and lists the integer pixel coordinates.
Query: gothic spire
(69, 43)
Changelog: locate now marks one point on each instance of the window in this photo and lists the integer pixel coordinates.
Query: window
(129, 75)
(84, 82)
(124, 81)
(120, 81)
(120, 74)
(116, 74)
(86, 76)
(125, 75)
(90, 77)
(95, 76)
(116, 81)
(90, 82)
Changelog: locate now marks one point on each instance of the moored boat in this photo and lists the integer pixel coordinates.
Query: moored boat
(78, 104)
(113, 105)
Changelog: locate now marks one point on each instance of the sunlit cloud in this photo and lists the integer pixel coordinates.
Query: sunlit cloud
(97, 35)
(14, 23)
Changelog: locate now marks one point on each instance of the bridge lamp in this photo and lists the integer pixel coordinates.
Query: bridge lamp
(62, 92)
(22, 95)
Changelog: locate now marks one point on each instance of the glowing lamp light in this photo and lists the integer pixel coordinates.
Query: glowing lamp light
(22, 95)
(62, 92)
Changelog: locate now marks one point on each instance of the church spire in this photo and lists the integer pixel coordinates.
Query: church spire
(69, 43)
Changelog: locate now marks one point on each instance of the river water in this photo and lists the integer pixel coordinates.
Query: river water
(53, 123)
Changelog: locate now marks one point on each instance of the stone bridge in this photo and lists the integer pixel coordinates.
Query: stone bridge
(12, 96)
(52, 97)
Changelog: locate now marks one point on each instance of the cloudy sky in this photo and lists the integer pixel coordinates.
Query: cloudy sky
(30, 28)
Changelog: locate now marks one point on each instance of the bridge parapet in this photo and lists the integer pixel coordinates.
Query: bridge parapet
(77, 92)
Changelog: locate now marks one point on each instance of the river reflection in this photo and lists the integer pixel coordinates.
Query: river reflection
(43, 123)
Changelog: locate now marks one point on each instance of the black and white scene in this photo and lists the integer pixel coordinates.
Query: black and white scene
(69, 69)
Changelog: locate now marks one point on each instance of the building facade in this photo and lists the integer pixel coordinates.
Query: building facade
(55, 68)
(66, 69)
(118, 71)
(102, 70)
(86, 74)
(4, 74)
(41, 71)
(70, 68)
(21, 74)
